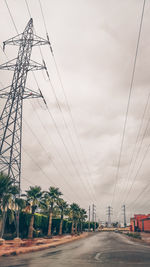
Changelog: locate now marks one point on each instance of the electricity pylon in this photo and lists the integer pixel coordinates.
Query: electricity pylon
(124, 215)
(93, 216)
(109, 213)
(89, 218)
(11, 116)
(93, 212)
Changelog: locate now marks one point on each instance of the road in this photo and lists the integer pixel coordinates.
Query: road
(101, 249)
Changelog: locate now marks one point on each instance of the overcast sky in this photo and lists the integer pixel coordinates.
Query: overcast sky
(94, 43)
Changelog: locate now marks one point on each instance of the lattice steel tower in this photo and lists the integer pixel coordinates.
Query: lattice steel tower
(11, 116)
(109, 213)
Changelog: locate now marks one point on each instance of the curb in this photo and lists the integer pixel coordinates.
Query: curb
(24, 250)
(137, 240)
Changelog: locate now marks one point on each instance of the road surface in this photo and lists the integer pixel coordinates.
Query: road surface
(101, 249)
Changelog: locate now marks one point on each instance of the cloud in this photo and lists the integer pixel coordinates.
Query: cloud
(94, 45)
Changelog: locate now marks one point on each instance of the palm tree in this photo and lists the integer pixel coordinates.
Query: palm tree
(83, 217)
(33, 196)
(21, 203)
(51, 197)
(63, 209)
(7, 192)
(74, 216)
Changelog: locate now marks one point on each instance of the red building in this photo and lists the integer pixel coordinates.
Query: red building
(140, 223)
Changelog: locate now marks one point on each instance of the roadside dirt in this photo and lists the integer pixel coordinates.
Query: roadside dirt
(145, 238)
(14, 247)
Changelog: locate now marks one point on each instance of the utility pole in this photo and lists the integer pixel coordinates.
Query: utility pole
(124, 215)
(93, 212)
(11, 116)
(95, 221)
(109, 213)
(89, 218)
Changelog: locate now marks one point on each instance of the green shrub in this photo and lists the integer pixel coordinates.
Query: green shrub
(40, 226)
(135, 235)
(24, 222)
(66, 227)
(92, 225)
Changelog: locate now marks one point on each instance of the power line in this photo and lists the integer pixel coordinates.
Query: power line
(142, 205)
(139, 195)
(52, 162)
(66, 100)
(43, 16)
(129, 97)
(65, 165)
(138, 155)
(51, 141)
(59, 134)
(11, 16)
(15, 25)
(28, 8)
(66, 126)
(29, 181)
(43, 172)
(59, 107)
(39, 47)
(35, 33)
(135, 157)
(145, 154)
(38, 141)
(71, 116)
(48, 110)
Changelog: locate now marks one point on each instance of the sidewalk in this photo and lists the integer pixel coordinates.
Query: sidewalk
(11, 247)
(145, 237)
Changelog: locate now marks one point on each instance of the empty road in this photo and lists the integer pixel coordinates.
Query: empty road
(101, 249)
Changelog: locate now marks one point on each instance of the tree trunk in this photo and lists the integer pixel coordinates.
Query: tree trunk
(30, 232)
(76, 228)
(3, 221)
(50, 224)
(81, 227)
(61, 225)
(72, 228)
(1, 225)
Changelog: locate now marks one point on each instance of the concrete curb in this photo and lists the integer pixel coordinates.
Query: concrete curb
(22, 250)
(137, 240)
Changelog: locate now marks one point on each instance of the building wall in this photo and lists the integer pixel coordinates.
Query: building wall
(140, 222)
(141, 225)
(132, 222)
(146, 225)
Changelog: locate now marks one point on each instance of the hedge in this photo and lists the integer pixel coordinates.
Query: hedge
(40, 226)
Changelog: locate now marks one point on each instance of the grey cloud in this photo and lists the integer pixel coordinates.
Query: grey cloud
(94, 44)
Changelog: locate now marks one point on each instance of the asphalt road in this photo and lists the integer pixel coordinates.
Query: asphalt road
(101, 249)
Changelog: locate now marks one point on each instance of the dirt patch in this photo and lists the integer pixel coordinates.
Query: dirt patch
(144, 238)
(37, 244)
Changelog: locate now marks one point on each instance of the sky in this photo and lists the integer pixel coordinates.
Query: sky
(94, 44)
